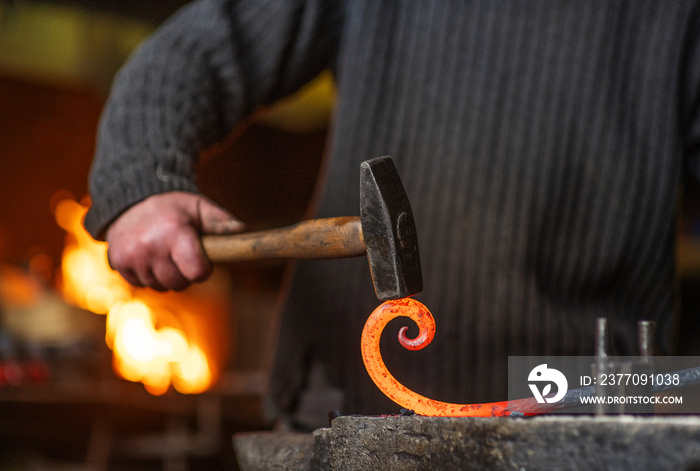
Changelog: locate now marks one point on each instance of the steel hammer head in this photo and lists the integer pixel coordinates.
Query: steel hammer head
(389, 231)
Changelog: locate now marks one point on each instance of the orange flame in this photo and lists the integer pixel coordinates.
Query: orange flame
(157, 339)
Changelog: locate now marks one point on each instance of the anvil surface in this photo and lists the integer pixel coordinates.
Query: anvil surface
(538, 443)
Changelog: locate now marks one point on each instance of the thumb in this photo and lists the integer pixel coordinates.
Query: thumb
(213, 219)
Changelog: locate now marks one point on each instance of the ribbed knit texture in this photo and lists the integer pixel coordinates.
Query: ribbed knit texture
(541, 144)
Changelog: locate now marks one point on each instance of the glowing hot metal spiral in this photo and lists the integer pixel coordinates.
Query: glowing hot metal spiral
(390, 386)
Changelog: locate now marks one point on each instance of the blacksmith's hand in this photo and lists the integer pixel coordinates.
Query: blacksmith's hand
(156, 242)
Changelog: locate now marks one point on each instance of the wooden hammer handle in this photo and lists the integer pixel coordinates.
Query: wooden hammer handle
(316, 238)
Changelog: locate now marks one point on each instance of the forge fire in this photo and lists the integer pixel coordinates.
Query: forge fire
(158, 339)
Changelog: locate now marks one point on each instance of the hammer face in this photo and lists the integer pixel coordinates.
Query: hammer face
(389, 231)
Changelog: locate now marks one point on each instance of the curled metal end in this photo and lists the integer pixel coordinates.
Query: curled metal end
(414, 344)
(389, 385)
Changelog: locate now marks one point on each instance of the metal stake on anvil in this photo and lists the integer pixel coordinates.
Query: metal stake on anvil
(605, 370)
(646, 341)
(646, 336)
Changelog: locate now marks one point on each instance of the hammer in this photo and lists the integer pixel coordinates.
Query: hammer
(385, 231)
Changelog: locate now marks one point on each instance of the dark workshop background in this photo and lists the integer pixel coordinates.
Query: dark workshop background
(67, 409)
(57, 59)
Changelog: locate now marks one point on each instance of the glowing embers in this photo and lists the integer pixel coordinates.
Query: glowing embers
(158, 339)
(390, 386)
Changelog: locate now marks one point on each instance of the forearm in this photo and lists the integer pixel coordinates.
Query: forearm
(189, 84)
(162, 109)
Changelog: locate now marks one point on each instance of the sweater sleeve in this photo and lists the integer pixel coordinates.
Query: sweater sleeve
(191, 82)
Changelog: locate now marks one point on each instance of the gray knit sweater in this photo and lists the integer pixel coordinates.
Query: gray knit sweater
(542, 144)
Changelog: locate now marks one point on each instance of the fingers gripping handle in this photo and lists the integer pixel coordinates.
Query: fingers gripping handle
(317, 238)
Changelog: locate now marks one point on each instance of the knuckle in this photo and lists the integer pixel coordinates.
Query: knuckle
(190, 259)
(199, 272)
(170, 278)
(124, 256)
(116, 258)
(179, 284)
